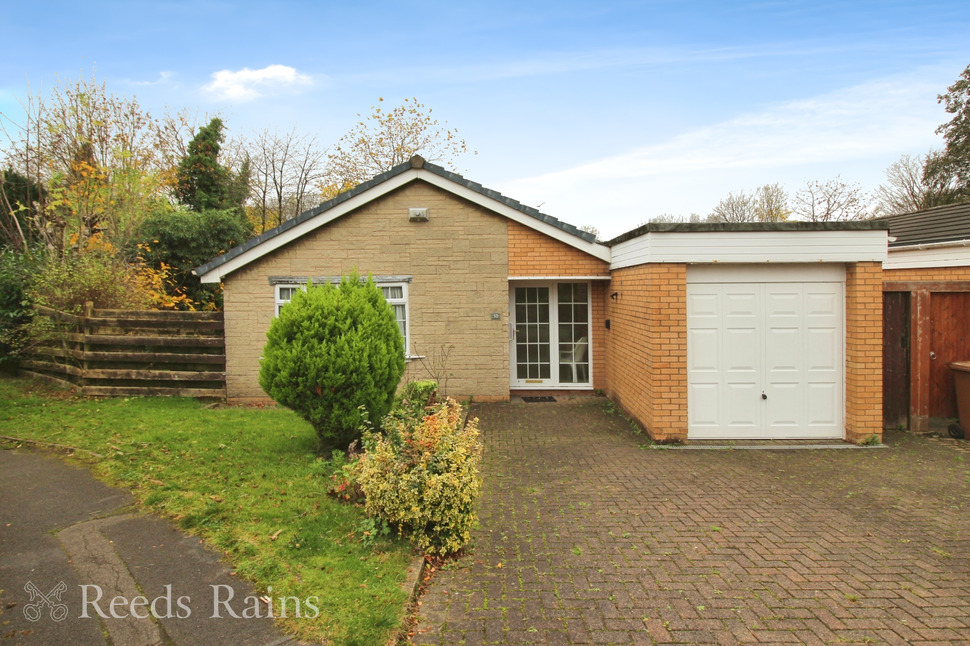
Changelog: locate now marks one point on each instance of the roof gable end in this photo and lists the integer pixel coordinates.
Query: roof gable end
(414, 169)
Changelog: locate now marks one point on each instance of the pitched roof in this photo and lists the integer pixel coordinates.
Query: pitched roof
(415, 163)
(939, 224)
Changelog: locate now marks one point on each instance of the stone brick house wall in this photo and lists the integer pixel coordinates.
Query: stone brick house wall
(458, 263)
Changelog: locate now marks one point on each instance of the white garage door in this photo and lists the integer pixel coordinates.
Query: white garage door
(765, 357)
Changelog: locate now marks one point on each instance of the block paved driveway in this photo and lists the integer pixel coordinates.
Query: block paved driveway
(587, 538)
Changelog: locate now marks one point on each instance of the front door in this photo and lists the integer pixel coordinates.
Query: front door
(550, 335)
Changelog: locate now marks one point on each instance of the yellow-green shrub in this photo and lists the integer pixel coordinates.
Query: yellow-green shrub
(422, 476)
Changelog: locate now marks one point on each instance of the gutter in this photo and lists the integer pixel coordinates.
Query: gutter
(932, 245)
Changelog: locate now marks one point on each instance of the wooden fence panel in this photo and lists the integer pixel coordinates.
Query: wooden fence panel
(128, 353)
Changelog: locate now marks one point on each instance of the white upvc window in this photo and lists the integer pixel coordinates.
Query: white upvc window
(284, 294)
(396, 295)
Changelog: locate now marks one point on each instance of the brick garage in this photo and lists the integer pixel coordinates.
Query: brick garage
(684, 298)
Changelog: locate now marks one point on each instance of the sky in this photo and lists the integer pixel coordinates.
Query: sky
(598, 113)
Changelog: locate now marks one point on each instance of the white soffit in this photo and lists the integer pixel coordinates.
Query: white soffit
(752, 247)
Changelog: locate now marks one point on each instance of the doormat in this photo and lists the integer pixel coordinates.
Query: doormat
(538, 400)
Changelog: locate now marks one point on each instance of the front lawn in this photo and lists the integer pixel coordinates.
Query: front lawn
(245, 480)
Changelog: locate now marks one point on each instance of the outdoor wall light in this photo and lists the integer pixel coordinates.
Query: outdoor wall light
(418, 214)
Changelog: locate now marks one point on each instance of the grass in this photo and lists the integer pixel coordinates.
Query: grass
(245, 480)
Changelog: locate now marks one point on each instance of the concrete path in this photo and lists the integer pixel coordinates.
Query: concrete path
(588, 538)
(70, 545)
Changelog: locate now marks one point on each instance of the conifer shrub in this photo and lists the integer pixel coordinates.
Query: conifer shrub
(335, 356)
(421, 475)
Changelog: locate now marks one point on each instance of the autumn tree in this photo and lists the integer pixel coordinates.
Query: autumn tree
(384, 139)
(286, 168)
(771, 204)
(102, 162)
(768, 203)
(831, 200)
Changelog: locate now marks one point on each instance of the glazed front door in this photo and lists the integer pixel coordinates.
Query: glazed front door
(550, 336)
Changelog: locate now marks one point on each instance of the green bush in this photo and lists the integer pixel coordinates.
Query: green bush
(334, 355)
(416, 396)
(422, 476)
(183, 240)
(98, 275)
(15, 309)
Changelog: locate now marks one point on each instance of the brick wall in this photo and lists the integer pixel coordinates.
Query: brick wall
(863, 350)
(459, 263)
(927, 273)
(534, 254)
(647, 347)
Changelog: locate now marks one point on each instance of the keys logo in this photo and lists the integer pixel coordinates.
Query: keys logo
(52, 600)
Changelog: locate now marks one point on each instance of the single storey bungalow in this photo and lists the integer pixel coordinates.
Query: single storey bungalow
(698, 331)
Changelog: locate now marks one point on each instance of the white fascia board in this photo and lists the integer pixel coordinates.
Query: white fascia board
(955, 254)
(754, 247)
(216, 274)
(592, 248)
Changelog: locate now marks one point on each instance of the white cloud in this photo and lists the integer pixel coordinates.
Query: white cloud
(163, 77)
(247, 84)
(855, 131)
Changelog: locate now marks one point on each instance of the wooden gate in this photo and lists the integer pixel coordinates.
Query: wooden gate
(895, 359)
(950, 318)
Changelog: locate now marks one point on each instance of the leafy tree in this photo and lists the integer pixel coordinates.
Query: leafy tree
(385, 139)
(332, 352)
(955, 159)
(202, 182)
(182, 240)
(831, 200)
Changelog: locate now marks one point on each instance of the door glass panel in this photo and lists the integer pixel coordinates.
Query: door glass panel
(573, 333)
(543, 317)
(532, 333)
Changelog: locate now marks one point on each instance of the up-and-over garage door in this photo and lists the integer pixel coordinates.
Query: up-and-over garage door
(765, 349)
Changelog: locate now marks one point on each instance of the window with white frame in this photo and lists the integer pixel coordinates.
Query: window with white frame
(284, 294)
(396, 295)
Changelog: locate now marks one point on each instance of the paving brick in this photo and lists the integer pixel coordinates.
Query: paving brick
(613, 543)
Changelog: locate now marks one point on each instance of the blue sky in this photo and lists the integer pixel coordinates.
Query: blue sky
(604, 113)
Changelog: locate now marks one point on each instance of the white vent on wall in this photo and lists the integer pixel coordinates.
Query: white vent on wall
(418, 214)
